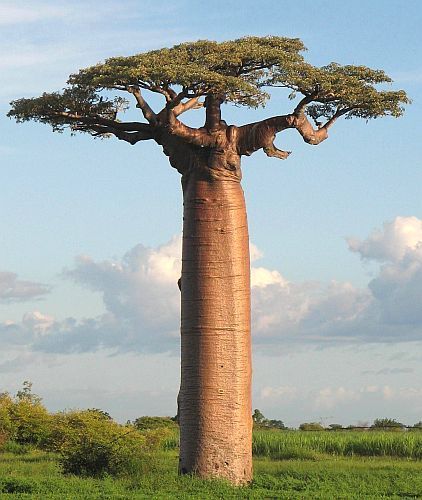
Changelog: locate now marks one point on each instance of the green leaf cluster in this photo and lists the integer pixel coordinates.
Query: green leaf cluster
(58, 109)
(240, 71)
(23, 418)
(351, 90)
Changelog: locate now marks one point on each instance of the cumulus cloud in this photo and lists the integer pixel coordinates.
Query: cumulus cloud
(328, 397)
(283, 392)
(142, 301)
(339, 398)
(13, 289)
(391, 243)
(397, 289)
(141, 298)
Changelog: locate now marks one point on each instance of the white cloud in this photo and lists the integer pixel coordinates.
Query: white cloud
(328, 397)
(13, 289)
(262, 277)
(284, 392)
(142, 302)
(391, 243)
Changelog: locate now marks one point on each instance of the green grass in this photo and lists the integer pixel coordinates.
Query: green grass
(296, 444)
(37, 475)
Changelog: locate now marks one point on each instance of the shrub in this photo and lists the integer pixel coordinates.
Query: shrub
(91, 445)
(14, 485)
(23, 417)
(149, 423)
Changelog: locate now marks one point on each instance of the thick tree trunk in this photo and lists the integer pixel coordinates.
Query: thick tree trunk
(215, 394)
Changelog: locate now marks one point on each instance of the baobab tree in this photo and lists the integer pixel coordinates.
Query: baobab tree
(215, 393)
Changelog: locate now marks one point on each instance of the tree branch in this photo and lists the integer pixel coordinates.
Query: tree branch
(99, 120)
(261, 134)
(148, 113)
(130, 137)
(196, 136)
(192, 103)
(300, 108)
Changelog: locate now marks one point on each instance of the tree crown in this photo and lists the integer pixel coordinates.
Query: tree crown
(206, 74)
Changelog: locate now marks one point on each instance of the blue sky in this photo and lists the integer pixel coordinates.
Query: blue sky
(90, 229)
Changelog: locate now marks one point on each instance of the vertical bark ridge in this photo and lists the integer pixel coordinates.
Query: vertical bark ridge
(215, 401)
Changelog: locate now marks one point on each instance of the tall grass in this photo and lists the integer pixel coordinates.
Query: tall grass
(297, 444)
(279, 445)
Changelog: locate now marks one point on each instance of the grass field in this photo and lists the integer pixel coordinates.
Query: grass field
(314, 468)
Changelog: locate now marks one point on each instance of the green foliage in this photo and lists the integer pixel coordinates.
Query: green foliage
(150, 423)
(238, 70)
(23, 418)
(257, 416)
(15, 486)
(335, 427)
(260, 422)
(91, 445)
(305, 445)
(352, 478)
(387, 423)
(311, 426)
(54, 108)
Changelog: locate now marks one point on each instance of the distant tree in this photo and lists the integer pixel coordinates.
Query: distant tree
(386, 423)
(311, 426)
(418, 425)
(26, 394)
(275, 424)
(258, 417)
(261, 422)
(335, 427)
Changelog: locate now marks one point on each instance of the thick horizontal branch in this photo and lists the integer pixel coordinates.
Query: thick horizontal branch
(99, 120)
(101, 130)
(261, 134)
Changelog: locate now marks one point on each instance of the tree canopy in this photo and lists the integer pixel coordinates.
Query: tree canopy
(206, 74)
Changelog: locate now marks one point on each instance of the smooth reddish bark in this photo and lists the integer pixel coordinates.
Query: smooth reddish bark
(215, 396)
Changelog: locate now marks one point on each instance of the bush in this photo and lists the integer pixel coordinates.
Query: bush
(151, 423)
(14, 485)
(91, 445)
(23, 418)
